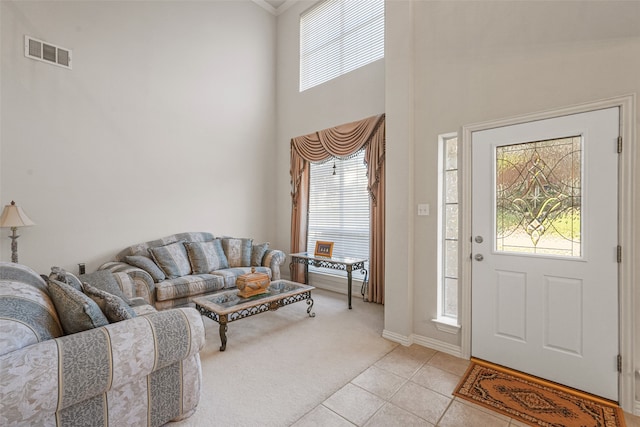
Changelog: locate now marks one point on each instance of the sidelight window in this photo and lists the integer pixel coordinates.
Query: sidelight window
(448, 230)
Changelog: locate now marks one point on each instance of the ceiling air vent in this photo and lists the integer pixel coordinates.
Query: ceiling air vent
(47, 52)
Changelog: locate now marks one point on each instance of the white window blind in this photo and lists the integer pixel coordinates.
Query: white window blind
(338, 36)
(339, 209)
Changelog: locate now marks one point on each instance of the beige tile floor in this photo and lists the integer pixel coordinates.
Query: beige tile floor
(410, 386)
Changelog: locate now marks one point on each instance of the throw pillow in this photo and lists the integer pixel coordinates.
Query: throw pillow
(111, 305)
(77, 311)
(146, 264)
(105, 280)
(206, 257)
(172, 259)
(238, 251)
(62, 275)
(257, 253)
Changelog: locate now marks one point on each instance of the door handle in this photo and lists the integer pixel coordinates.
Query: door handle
(479, 257)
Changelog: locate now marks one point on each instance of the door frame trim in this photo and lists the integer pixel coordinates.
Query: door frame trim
(626, 228)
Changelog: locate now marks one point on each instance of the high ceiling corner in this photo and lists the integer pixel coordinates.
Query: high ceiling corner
(275, 7)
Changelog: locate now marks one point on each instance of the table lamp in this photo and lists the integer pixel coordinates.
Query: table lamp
(13, 216)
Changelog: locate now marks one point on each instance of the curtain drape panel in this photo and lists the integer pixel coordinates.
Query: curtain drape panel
(342, 141)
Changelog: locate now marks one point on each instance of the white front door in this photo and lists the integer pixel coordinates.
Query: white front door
(545, 237)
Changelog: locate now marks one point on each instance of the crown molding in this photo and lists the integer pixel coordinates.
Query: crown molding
(273, 10)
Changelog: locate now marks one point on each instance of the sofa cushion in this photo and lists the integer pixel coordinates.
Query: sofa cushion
(113, 307)
(188, 286)
(21, 273)
(146, 264)
(257, 253)
(172, 259)
(229, 275)
(143, 248)
(27, 316)
(206, 256)
(103, 280)
(77, 311)
(238, 251)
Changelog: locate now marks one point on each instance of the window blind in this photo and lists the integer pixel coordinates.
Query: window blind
(338, 36)
(339, 209)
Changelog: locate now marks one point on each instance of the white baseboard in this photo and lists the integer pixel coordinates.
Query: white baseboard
(437, 345)
(334, 287)
(636, 407)
(335, 283)
(441, 346)
(400, 339)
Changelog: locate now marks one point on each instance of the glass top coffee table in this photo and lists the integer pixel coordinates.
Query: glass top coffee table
(226, 306)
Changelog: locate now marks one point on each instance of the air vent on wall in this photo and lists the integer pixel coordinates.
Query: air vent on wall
(47, 52)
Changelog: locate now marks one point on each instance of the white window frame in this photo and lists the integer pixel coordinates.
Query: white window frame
(339, 36)
(444, 322)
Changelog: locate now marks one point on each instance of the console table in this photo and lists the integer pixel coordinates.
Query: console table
(336, 263)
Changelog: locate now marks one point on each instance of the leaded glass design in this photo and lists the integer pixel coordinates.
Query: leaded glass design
(538, 197)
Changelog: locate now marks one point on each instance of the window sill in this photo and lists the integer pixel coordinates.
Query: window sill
(449, 326)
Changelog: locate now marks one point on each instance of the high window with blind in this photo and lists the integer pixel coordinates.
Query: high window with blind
(339, 36)
(339, 209)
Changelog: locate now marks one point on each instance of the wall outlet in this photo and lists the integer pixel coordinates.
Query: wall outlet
(423, 209)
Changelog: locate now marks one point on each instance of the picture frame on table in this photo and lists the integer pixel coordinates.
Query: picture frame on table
(324, 249)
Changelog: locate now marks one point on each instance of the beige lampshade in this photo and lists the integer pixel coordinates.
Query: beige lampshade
(14, 216)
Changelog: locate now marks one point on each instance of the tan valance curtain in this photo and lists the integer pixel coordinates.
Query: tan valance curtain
(342, 141)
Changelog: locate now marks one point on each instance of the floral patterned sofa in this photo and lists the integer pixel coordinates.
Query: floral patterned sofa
(69, 357)
(171, 271)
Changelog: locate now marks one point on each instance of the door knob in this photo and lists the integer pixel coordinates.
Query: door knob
(479, 257)
(479, 239)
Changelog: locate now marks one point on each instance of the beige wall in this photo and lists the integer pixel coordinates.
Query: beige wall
(165, 124)
(169, 119)
(449, 64)
(473, 62)
(351, 97)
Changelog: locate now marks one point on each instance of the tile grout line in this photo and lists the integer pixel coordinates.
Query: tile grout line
(406, 380)
(385, 399)
(388, 400)
(329, 409)
(350, 382)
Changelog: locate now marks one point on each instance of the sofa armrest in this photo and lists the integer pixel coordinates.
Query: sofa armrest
(273, 258)
(55, 374)
(134, 281)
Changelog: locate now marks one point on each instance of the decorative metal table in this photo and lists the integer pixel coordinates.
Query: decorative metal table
(226, 306)
(337, 263)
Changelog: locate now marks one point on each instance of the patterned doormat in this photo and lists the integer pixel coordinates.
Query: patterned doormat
(535, 401)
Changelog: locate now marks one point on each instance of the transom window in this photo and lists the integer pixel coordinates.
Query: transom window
(339, 36)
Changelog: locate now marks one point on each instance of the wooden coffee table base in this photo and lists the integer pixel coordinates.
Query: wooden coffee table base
(227, 307)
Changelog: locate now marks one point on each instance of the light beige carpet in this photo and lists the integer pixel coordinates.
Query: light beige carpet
(280, 365)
